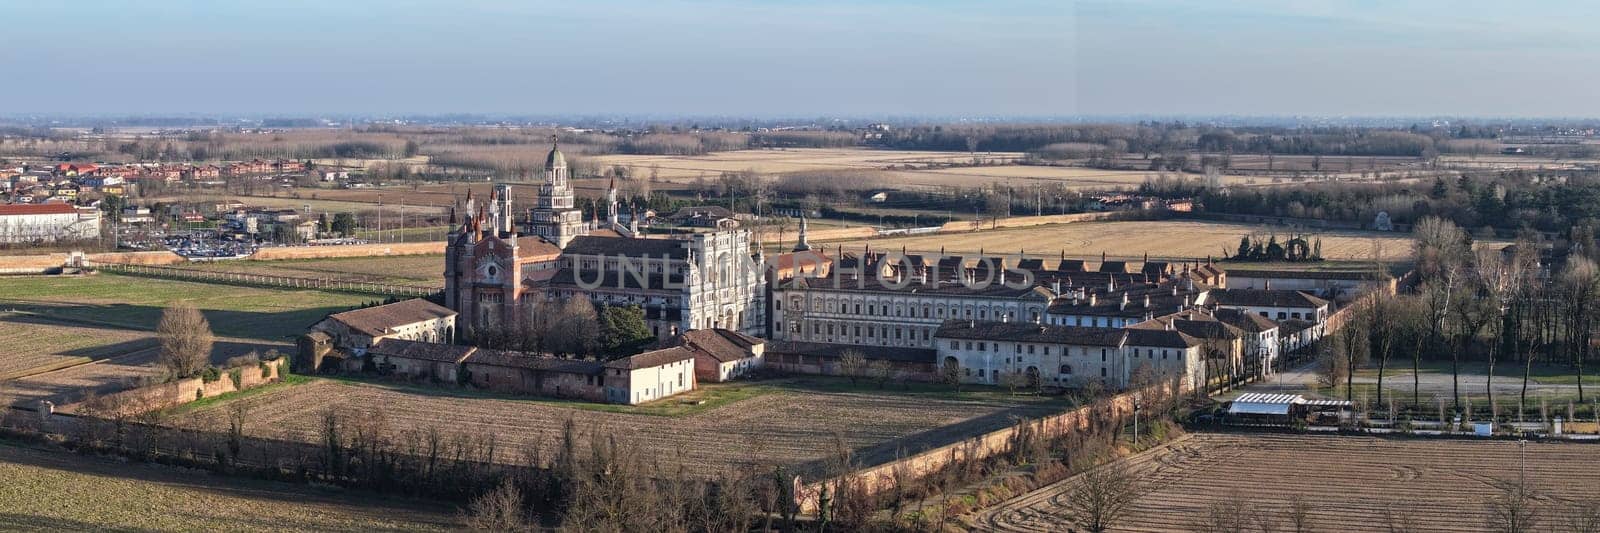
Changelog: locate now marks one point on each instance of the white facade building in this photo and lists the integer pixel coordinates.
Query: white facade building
(29, 223)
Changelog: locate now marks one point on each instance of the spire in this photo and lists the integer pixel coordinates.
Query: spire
(611, 204)
(801, 245)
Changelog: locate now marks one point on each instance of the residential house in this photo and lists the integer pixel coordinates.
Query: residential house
(722, 355)
(650, 376)
(414, 320)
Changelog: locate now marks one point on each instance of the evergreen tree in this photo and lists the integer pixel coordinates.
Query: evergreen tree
(622, 329)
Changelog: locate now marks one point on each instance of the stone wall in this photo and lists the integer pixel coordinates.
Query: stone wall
(349, 250)
(877, 478)
(171, 394)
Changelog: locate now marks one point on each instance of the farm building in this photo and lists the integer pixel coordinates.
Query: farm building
(413, 320)
(650, 375)
(29, 223)
(820, 358)
(722, 355)
(1276, 304)
(1321, 283)
(419, 360)
(1064, 356)
(543, 375)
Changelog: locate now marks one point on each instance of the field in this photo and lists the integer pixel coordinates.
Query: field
(888, 166)
(29, 345)
(790, 423)
(64, 335)
(58, 491)
(134, 302)
(417, 270)
(1165, 239)
(1351, 483)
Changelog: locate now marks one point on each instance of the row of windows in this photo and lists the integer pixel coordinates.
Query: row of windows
(903, 310)
(857, 331)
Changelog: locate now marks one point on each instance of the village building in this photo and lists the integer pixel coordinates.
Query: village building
(650, 376)
(1324, 284)
(412, 320)
(417, 360)
(1040, 355)
(34, 223)
(817, 358)
(542, 375)
(859, 310)
(722, 355)
(1261, 343)
(1276, 304)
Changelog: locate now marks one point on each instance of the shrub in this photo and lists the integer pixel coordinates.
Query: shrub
(210, 374)
(249, 359)
(266, 370)
(237, 376)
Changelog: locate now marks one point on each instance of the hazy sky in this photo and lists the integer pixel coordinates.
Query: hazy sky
(801, 57)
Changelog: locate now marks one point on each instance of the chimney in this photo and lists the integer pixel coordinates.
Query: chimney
(1056, 285)
(1174, 289)
(1269, 285)
(1185, 301)
(1124, 304)
(1147, 301)
(1093, 299)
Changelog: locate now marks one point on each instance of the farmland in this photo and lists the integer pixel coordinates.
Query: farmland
(889, 167)
(65, 335)
(1167, 239)
(1351, 483)
(417, 270)
(134, 302)
(29, 345)
(792, 423)
(55, 491)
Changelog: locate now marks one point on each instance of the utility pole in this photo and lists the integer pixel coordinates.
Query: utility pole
(380, 217)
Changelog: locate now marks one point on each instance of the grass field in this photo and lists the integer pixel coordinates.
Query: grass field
(134, 302)
(1352, 483)
(29, 345)
(48, 490)
(418, 270)
(1160, 239)
(787, 423)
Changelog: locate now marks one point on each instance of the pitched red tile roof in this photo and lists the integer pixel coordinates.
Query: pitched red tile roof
(375, 321)
(652, 358)
(37, 209)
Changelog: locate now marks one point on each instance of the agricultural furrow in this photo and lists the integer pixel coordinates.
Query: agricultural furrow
(1351, 483)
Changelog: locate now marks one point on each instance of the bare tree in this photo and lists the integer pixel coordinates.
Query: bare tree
(185, 338)
(881, 371)
(852, 364)
(1102, 497)
(1231, 514)
(1514, 508)
(1298, 514)
(1580, 286)
(499, 511)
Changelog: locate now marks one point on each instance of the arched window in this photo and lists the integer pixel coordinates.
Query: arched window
(1066, 369)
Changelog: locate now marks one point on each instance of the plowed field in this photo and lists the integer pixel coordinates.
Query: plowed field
(1350, 482)
(789, 427)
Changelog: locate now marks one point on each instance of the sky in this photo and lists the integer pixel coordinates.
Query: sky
(801, 57)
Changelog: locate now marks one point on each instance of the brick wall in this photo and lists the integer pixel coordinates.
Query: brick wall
(175, 393)
(878, 478)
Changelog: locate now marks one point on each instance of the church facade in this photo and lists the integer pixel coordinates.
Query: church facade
(683, 282)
